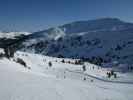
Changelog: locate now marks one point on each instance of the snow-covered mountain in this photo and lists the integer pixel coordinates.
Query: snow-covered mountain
(109, 39)
(10, 35)
(29, 76)
(12, 38)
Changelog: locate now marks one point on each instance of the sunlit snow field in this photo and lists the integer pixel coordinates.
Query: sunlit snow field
(61, 81)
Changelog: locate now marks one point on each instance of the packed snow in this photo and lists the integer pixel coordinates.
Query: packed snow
(60, 81)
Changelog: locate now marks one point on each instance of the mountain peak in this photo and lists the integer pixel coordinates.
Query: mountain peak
(109, 19)
(93, 25)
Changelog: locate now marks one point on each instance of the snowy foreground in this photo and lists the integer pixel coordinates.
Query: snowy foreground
(61, 81)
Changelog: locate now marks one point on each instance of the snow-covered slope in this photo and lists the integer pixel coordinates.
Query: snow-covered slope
(12, 34)
(20, 83)
(40, 63)
(108, 39)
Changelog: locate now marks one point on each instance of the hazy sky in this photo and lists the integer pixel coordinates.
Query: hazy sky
(34, 15)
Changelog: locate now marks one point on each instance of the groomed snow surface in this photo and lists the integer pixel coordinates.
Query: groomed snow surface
(61, 81)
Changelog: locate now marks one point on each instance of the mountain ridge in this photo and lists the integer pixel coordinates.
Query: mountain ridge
(109, 39)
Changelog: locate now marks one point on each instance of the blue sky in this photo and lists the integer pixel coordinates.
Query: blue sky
(34, 15)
